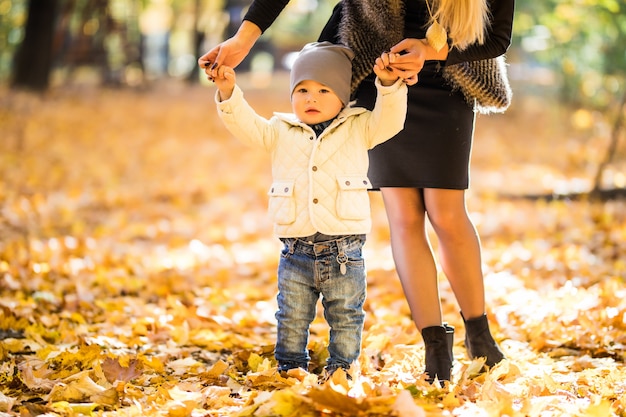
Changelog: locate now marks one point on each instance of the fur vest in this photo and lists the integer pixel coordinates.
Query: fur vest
(371, 27)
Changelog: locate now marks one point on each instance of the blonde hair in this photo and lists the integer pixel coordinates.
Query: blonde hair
(466, 21)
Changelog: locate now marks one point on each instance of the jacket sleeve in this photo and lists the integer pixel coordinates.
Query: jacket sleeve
(498, 37)
(264, 12)
(389, 113)
(243, 122)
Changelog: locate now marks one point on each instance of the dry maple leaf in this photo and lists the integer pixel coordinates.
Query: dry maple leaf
(114, 371)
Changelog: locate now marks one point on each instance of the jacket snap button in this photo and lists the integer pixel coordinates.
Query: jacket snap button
(347, 182)
(364, 182)
(272, 190)
(286, 189)
(314, 168)
(315, 201)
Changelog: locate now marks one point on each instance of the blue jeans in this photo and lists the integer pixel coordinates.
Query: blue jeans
(336, 270)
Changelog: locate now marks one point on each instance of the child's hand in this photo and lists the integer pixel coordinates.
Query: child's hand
(383, 68)
(224, 79)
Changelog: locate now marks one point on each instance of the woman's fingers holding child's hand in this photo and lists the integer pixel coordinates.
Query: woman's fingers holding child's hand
(221, 72)
(380, 68)
(224, 72)
(386, 67)
(390, 64)
(384, 61)
(384, 71)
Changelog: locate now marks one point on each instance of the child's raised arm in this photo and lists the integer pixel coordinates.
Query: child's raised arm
(224, 79)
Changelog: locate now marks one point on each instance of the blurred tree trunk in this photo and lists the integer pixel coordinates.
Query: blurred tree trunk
(198, 39)
(32, 63)
(86, 47)
(611, 150)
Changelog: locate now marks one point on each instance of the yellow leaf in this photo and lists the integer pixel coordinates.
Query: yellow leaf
(286, 403)
(327, 398)
(179, 409)
(71, 408)
(218, 369)
(178, 394)
(600, 409)
(254, 361)
(153, 363)
(107, 398)
(76, 390)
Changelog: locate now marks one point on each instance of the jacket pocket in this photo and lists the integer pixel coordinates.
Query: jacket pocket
(282, 203)
(352, 200)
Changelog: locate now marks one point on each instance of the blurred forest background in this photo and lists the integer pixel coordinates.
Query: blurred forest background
(568, 54)
(138, 266)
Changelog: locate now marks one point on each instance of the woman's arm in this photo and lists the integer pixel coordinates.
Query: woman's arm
(260, 16)
(233, 50)
(264, 12)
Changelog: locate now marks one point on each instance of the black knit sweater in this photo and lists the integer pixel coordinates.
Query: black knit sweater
(264, 12)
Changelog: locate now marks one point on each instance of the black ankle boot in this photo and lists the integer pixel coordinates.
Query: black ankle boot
(479, 342)
(438, 357)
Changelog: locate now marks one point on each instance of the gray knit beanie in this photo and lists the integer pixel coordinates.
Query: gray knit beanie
(326, 63)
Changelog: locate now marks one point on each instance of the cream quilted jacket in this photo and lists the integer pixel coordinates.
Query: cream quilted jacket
(319, 184)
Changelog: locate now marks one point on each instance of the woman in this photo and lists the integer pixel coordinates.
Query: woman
(423, 172)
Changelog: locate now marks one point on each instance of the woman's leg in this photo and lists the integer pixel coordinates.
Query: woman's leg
(458, 248)
(460, 258)
(415, 265)
(412, 254)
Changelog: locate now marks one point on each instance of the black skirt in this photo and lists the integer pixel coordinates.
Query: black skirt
(433, 150)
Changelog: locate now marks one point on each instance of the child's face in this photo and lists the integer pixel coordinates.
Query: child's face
(314, 103)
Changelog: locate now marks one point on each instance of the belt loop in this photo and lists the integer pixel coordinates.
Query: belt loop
(291, 243)
(341, 246)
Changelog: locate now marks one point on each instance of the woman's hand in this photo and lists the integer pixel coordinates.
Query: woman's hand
(407, 58)
(230, 52)
(233, 50)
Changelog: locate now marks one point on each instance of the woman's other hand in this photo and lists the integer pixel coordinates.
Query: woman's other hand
(407, 58)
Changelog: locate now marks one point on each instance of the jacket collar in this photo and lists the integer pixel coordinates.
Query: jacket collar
(346, 113)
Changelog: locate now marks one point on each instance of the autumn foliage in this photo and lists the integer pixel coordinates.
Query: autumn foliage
(138, 271)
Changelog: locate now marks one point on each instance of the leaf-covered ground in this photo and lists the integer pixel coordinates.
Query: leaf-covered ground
(137, 270)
